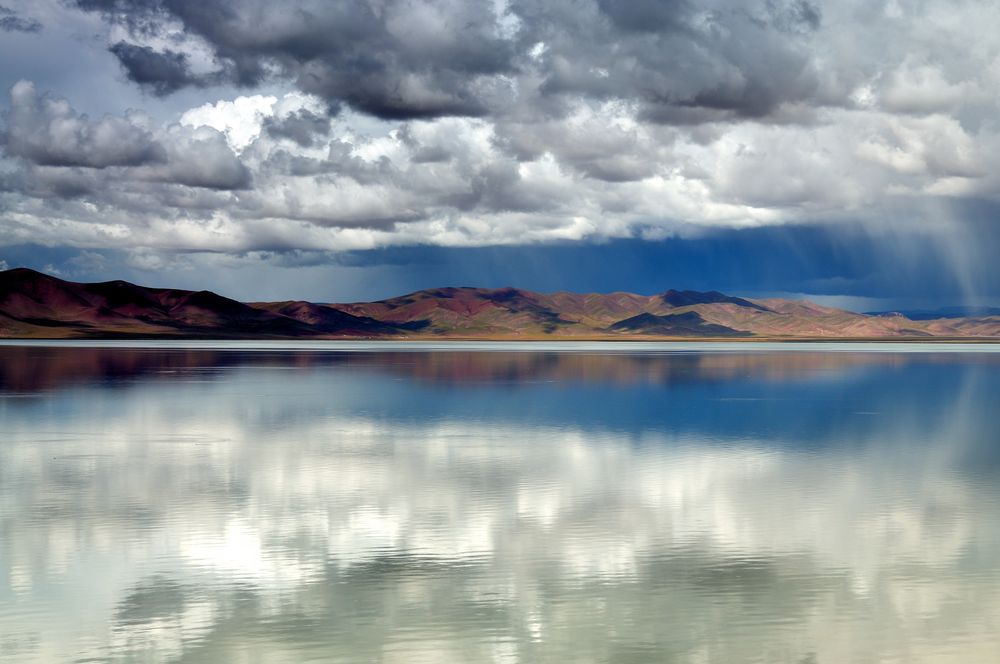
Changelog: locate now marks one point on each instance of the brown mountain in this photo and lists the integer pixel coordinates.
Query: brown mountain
(33, 304)
(40, 306)
(510, 312)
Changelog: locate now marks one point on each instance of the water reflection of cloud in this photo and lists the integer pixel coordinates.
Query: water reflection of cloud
(215, 534)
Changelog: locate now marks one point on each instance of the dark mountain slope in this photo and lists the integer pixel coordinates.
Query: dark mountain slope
(31, 302)
(326, 319)
(687, 324)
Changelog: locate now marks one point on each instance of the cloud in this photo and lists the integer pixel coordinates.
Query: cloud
(240, 120)
(397, 60)
(161, 72)
(400, 59)
(200, 157)
(11, 21)
(270, 173)
(303, 127)
(47, 131)
(62, 148)
(329, 127)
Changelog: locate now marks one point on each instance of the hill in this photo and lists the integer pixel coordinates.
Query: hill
(36, 305)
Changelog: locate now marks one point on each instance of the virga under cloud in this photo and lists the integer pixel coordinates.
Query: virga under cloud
(352, 125)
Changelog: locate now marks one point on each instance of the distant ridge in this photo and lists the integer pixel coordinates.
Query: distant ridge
(946, 312)
(36, 305)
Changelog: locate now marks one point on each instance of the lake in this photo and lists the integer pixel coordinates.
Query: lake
(449, 502)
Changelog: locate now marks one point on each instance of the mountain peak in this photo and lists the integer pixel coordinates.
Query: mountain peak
(688, 298)
(24, 273)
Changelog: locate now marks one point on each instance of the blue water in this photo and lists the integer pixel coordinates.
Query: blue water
(353, 502)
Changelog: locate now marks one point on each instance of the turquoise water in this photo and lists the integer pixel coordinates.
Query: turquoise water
(372, 502)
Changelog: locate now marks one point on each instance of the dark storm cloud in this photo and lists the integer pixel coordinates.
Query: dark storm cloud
(302, 126)
(400, 60)
(646, 15)
(54, 184)
(830, 260)
(682, 63)
(11, 21)
(396, 60)
(825, 259)
(796, 16)
(160, 72)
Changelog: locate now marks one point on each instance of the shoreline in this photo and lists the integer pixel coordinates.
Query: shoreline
(480, 344)
(424, 339)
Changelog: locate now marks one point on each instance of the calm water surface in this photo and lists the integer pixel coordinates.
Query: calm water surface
(459, 503)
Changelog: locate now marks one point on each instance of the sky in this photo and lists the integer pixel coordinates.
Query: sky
(340, 150)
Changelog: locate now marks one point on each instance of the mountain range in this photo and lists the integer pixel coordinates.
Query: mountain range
(36, 305)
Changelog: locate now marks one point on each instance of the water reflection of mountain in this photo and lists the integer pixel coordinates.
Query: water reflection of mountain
(790, 398)
(27, 369)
